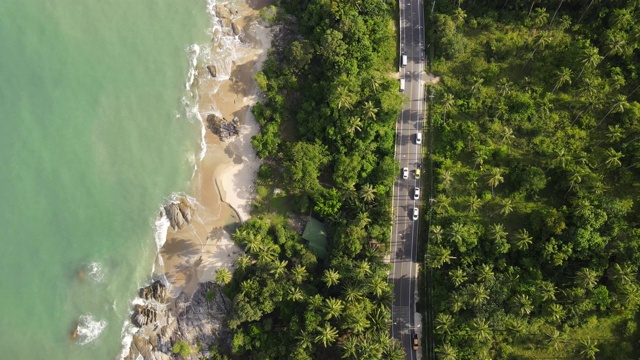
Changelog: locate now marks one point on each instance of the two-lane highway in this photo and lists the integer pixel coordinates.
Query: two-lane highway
(404, 235)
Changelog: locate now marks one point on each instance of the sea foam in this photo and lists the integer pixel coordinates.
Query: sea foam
(89, 329)
(96, 272)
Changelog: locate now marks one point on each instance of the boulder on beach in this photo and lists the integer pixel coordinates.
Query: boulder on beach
(179, 213)
(236, 27)
(222, 127)
(156, 291)
(212, 70)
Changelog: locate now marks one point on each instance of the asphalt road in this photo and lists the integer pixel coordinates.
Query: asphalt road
(404, 236)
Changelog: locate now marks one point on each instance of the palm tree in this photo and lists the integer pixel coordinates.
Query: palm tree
(574, 180)
(613, 158)
(555, 338)
(477, 83)
(485, 273)
(295, 294)
(349, 347)
(563, 77)
(354, 125)
(495, 178)
(481, 329)
(304, 339)
(506, 206)
(437, 256)
(624, 274)
(590, 59)
(497, 232)
(479, 156)
(299, 273)
(614, 133)
(561, 159)
(587, 278)
(547, 290)
(474, 204)
(441, 205)
(478, 294)
(556, 312)
(588, 348)
(280, 269)
(267, 252)
(377, 286)
(516, 325)
(618, 106)
(447, 352)
(327, 334)
(543, 40)
(333, 308)
(363, 219)
(223, 276)
(331, 277)
(458, 276)
(352, 294)
(446, 177)
(244, 261)
(616, 43)
(448, 102)
(370, 110)
(344, 98)
(367, 192)
(523, 304)
(459, 16)
(504, 86)
(444, 323)
(457, 302)
(507, 136)
(523, 239)
(540, 17)
(362, 269)
(436, 233)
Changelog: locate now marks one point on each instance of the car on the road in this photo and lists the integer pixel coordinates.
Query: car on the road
(417, 174)
(405, 173)
(416, 193)
(415, 343)
(419, 138)
(414, 215)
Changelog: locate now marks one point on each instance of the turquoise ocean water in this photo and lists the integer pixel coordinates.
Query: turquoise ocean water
(90, 146)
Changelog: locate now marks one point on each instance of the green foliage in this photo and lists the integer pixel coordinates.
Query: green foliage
(534, 221)
(182, 348)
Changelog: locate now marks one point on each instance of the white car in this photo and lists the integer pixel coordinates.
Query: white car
(415, 214)
(419, 138)
(405, 173)
(416, 193)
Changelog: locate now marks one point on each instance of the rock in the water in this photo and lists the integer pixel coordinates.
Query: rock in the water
(156, 291)
(212, 70)
(174, 215)
(236, 28)
(185, 209)
(223, 127)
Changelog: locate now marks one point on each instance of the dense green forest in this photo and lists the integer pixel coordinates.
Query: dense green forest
(327, 137)
(534, 242)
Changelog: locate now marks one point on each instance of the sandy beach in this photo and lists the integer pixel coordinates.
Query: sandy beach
(223, 184)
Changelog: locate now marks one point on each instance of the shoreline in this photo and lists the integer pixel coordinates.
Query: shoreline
(198, 241)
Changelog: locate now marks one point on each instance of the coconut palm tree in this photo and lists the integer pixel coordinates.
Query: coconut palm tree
(616, 43)
(504, 86)
(223, 276)
(327, 334)
(563, 77)
(333, 308)
(280, 269)
(479, 157)
(331, 277)
(458, 276)
(555, 338)
(619, 106)
(355, 124)
(350, 347)
(377, 286)
(437, 256)
(561, 159)
(436, 233)
(556, 312)
(477, 84)
(613, 158)
(370, 110)
(523, 304)
(441, 205)
(481, 329)
(447, 352)
(478, 294)
(497, 232)
(444, 323)
(448, 101)
(587, 278)
(244, 261)
(588, 348)
(474, 204)
(590, 59)
(344, 98)
(485, 273)
(457, 302)
(446, 178)
(495, 178)
(506, 206)
(368, 192)
(299, 273)
(295, 294)
(304, 340)
(547, 290)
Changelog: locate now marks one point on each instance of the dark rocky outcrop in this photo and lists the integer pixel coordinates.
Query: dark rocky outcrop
(179, 213)
(212, 70)
(222, 127)
(156, 291)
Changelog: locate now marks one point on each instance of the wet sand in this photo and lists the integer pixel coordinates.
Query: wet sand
(223, 184)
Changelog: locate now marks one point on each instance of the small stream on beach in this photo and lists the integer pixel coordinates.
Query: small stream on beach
(98, 131)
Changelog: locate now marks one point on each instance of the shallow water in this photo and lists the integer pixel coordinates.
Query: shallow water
(93, 138)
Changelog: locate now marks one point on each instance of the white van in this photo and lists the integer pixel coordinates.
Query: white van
(419, 138)
(404, 60)
(402, 84)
